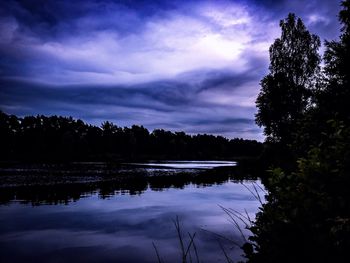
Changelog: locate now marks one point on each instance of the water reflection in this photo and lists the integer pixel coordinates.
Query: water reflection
(114, 218)
(56, 185)
(187, 164)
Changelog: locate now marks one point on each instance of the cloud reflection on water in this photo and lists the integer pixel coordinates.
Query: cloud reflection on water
(122, 228)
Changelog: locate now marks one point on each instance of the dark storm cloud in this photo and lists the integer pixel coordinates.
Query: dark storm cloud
(51, 19)
(180, 65)
(160, 96)
(319, 15)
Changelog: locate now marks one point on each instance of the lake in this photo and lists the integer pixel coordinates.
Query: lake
(116, 214)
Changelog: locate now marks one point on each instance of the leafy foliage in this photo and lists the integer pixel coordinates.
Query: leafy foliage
(307, 214)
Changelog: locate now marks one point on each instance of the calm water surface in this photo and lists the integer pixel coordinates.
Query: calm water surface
(120, 226)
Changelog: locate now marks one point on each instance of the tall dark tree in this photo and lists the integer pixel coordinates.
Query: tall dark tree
(285, 93)
(333, 93)
(337, 69)
(307, 214)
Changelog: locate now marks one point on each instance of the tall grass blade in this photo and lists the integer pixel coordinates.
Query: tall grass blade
(226, 256)
(157, 253)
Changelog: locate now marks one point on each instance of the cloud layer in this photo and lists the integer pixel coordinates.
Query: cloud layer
(179, 65)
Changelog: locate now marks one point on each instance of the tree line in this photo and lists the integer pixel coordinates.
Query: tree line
(56, 138)
(304, 110)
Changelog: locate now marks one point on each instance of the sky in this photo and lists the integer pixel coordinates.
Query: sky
(192, 66)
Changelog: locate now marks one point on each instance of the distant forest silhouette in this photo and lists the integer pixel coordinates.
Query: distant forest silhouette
(55, 138)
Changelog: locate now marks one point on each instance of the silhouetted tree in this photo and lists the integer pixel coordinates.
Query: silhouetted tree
(285, 93)
(307, 214)
(336, 94)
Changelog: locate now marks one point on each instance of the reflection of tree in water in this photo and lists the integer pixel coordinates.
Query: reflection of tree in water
(59, 188)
